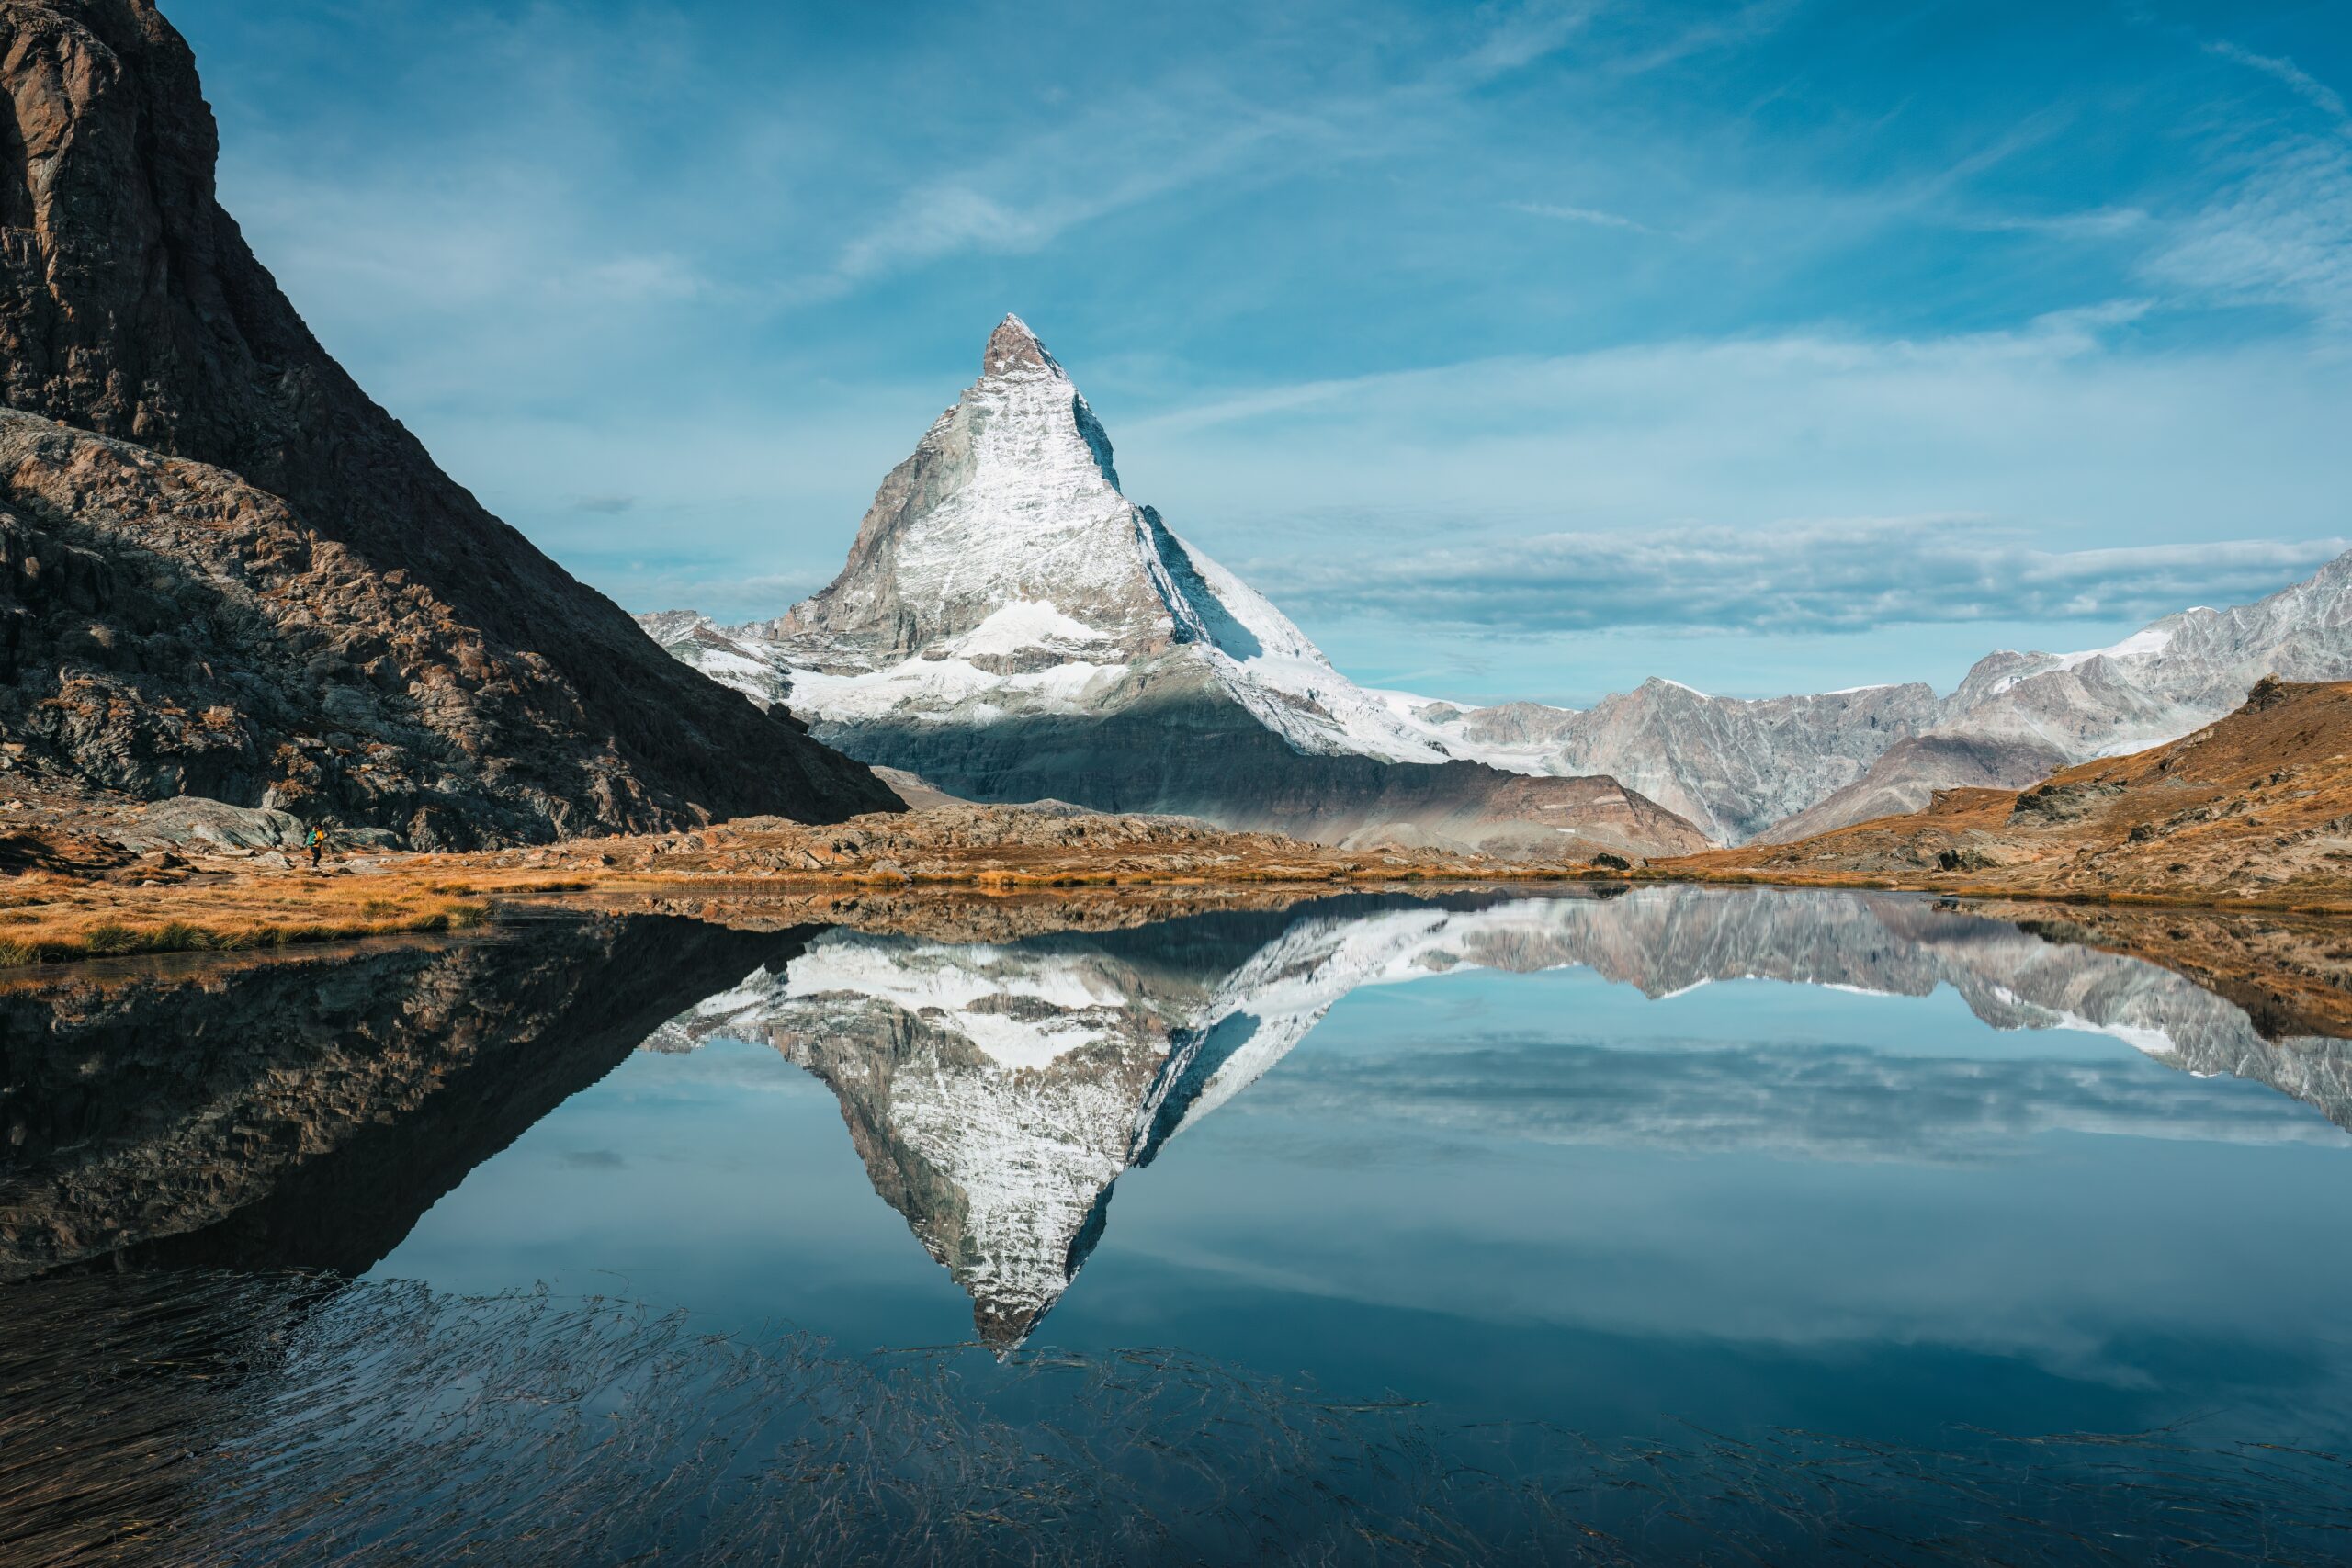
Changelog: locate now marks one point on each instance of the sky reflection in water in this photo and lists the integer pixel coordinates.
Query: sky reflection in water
(1536, 1195)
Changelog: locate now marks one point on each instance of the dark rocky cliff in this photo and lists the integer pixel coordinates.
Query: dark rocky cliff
(131, 307)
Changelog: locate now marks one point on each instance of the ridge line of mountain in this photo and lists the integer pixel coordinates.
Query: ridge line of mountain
(941, 650)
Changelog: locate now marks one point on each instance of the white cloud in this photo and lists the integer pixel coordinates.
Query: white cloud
(1591, 215)
(1845, 575)
(2280, 236)
(2302, 82)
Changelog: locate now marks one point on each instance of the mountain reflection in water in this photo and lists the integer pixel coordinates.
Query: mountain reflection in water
(304, 1111)
(996, 1091)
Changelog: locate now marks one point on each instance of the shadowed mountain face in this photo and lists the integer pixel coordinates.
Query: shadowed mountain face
(304, 1112)
(224, 569)
(997, 1092)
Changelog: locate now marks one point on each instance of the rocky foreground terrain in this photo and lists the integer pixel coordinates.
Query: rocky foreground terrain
(2254, 808)
(226, 572)
(87, 882)
(2251, 812)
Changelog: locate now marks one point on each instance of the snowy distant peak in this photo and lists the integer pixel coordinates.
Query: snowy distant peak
(1013, 348)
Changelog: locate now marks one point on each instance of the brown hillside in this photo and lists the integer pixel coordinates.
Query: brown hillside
(2255, 806)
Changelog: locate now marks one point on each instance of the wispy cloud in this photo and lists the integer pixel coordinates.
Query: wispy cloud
(2090, 223)
(1845, 575)
(1591, 215)
(2280, 236)
(2300, 82)
(1022, 198)
(1115, 154)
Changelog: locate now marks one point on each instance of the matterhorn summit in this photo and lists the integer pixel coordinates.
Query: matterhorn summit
(1011, 626)
(1002, 558)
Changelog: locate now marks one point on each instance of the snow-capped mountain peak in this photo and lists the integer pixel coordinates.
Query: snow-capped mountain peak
(1001, 565)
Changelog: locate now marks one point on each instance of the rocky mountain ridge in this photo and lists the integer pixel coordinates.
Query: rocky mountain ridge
(1778, 769)
(2018, 718)
(1010, 626)
(231, 571)
(2255, 806)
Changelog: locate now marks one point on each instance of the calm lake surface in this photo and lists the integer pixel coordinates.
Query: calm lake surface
(1678, 1224)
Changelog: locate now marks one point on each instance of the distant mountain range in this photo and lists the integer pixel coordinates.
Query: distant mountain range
(1010, 626)
(226, 573)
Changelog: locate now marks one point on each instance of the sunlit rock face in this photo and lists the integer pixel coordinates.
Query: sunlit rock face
(226, 571)
(998, 1091)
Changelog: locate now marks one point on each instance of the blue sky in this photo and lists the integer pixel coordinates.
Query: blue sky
(1514, 350)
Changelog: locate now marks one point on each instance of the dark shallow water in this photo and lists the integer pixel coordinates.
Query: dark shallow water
(1681, 1225)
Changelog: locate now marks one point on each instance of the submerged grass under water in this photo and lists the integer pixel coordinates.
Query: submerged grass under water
(222, 1419)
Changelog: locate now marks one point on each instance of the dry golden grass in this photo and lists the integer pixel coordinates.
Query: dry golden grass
(224, 914)
(228, 903)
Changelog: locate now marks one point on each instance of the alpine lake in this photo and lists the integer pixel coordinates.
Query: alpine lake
(1617, 1225)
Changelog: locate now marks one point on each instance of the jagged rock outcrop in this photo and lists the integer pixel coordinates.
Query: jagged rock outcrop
(249, 577)
(1011, 626)
(304, 1112)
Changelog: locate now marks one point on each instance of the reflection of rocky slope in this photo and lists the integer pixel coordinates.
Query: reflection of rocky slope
(224, 571)
(305, 1112)
(997, 1092)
